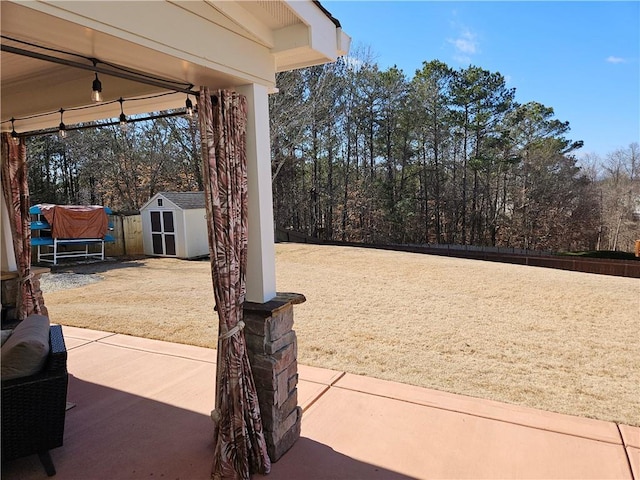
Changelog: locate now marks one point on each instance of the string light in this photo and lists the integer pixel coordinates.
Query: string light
(123, 117)
(96, 92)
(62, 129)
(14, 134)
(189, 107)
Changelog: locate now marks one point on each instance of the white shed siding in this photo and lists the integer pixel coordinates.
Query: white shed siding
(189, 226)
(179, 228)
(195, 233)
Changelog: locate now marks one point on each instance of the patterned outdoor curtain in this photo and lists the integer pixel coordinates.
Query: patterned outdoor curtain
(240, 448)
(16, 196)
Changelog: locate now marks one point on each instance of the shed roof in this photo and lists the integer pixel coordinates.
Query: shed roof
(185, 200)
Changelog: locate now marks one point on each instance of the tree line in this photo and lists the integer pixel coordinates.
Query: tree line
(118, 167)
(365, 155)
(448, 156)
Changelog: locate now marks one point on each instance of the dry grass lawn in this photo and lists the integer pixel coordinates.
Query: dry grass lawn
(561, 341)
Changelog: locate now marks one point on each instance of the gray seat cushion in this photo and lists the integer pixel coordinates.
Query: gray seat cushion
(25, 351)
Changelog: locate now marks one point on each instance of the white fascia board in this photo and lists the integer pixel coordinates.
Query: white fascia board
(343, 42)
(302, 58)
(322, 29)
(316, 41)
(166, 205)
(146, 205)
(170, 29)
(148, 202)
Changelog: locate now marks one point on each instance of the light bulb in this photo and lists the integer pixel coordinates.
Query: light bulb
(14, 134)
(96, 96)
(123, 117)
(96, 92)
(96, 87)
(123, 122)
(62, 129)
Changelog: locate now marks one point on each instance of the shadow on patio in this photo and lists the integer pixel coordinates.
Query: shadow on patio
(114, 434)
(142, 411)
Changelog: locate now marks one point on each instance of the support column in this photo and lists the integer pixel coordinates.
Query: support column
(7, 252)
(271, 342)
(261, 256)
(273, 351)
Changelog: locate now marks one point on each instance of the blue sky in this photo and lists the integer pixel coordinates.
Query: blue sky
(580, 58)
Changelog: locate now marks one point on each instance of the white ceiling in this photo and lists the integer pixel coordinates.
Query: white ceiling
(218, 44)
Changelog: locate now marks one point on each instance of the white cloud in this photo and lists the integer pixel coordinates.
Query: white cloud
(465, 45)
(612, 59)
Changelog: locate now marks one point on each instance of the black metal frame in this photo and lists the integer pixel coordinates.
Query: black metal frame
(34, 407)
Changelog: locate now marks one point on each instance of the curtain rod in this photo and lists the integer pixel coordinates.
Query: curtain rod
(156, 82)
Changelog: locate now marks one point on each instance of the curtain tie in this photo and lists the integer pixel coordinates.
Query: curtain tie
(215, 416)
(239, 326)
(24, 279)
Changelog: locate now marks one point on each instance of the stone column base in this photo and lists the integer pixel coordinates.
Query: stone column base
(273, 351)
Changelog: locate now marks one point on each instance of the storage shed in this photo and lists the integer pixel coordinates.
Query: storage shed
(174, 225)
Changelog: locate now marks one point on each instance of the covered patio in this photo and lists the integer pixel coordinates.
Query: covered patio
(152, 57)
(68, 63)
(141, 410)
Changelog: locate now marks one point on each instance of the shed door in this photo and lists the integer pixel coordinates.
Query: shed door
(163, 233)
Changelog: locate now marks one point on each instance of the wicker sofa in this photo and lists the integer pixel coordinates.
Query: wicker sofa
(33, 407)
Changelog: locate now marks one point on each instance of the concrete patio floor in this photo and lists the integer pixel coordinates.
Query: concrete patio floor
(142, 411)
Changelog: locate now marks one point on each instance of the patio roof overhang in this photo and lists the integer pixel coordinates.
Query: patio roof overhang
(221, 44)
(239, 45)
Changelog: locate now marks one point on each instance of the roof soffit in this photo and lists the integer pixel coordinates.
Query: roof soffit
(250, 41)
(113, 31)
(211, 63)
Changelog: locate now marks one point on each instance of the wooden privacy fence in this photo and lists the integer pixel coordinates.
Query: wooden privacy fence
(127, 231)
(601, 266)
